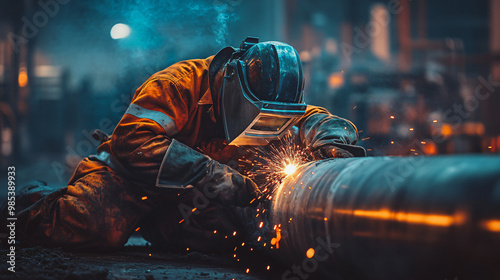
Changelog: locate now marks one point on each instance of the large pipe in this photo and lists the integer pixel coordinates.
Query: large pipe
(386, 218)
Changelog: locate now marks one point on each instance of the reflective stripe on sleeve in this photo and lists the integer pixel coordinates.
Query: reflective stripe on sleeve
(162, 119)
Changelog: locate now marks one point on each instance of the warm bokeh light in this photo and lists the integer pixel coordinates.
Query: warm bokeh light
(336, 80)
(23, 77)
(491, 225)
(310, 253)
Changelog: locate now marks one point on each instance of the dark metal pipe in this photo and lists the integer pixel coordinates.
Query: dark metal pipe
(386, 218)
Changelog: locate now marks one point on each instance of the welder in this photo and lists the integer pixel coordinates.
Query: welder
(177, 147)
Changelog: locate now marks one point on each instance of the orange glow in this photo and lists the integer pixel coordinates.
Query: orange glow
(430, 149)
(310, 253)
(382, 214)
(23, 77)
(446, 130)
(413, 218)
(392, 117)
(336, 80)
(275, 241)
(144, 198)
(491, 225)
(137, 229)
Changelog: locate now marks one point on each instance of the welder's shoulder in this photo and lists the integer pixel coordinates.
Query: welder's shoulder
(189, 71)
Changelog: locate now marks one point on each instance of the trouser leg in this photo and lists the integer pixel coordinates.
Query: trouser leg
(97, 210)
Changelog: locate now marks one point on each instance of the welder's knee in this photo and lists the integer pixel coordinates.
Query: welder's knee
(103, 208)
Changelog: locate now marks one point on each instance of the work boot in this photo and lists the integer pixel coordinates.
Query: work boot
(27, 196)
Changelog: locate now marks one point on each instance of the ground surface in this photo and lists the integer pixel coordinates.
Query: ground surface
(135, 262)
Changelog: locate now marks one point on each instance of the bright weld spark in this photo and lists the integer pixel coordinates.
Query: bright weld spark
(290, 169)
(275, 162)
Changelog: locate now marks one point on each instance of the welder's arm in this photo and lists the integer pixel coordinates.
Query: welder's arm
(184, 167)
(144, 144)
(327, 136)
(139, 142)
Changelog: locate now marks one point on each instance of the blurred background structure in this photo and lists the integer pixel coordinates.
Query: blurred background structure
(417, 77)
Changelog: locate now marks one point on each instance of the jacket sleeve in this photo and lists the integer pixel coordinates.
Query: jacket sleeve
(318, 127)
(156, 114)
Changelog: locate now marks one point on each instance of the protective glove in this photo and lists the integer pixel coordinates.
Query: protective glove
(328, 136)
(337, 151)
(183, 167)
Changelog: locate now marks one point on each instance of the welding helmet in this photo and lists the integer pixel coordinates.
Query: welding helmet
(261, 95)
